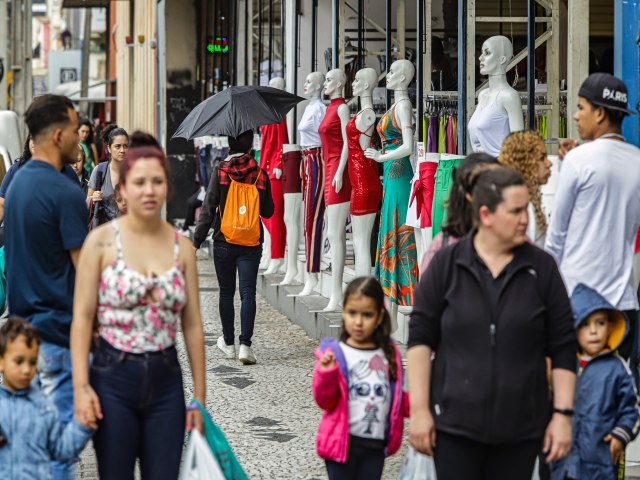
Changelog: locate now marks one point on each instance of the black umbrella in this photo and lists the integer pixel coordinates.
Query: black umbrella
(236, 110)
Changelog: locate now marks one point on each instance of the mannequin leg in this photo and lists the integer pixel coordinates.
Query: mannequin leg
(362, 227)
(292, 203)
(337, 235)
(276, 227)
(266, 248)
(309, 285)
(393, 313)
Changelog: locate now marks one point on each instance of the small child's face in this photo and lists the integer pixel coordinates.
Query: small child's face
(593, 333)
(361, 317)
(79, 164)
(122, 203)
(19, 363)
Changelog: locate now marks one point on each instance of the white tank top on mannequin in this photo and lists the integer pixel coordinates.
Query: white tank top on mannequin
(488, 127)
(309, 123)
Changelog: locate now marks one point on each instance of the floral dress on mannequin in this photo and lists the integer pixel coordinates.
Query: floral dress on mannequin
(396, 263)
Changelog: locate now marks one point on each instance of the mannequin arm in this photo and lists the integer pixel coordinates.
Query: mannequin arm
(343, 113)
(511, 104)
(403, 117)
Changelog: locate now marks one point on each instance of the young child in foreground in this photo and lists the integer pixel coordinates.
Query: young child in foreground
(30, 433)
(606, 415)
(357, 380)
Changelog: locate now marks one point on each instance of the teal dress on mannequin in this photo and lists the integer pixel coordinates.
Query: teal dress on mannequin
(396, 263)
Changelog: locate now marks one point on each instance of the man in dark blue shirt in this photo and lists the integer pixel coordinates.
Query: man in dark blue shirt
(45, 227)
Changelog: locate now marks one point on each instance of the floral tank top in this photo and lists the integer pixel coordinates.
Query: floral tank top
(139, 313)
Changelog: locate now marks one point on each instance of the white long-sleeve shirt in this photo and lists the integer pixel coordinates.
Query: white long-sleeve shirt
(595, 218)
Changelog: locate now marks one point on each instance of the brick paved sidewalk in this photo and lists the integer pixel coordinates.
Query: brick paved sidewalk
(266, 410)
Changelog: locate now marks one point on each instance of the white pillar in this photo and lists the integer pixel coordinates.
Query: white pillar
(577, 57)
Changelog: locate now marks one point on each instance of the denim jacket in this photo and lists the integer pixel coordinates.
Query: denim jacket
(35, 435)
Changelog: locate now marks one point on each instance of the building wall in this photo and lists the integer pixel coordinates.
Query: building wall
(135, 65)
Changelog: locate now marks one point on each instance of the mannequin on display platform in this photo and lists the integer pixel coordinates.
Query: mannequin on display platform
(396, 263)
(273, 138)
(292, 187)
(421, 201)
(337, 186)
(366, 188)
(499, 109)
(312, 178)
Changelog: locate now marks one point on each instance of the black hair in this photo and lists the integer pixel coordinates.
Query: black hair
(459, 217)
(489, 186)
(26, 152)
(46, 111)
(242, 143)
(370, 287)
(87, 122)
(615, 117)
(111, 132)
(13, 328)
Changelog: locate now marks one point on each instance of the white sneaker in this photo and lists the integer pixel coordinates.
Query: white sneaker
(228, 350)
(246, 355)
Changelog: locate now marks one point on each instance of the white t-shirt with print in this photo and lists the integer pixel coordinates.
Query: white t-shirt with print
(369, 391)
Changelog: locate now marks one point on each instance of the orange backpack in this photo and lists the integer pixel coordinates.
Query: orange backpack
(241, 217)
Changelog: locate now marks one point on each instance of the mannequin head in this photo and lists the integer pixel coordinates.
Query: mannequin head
(400, 75)
(496, 53)
(313, 84)
(364, 83)
(277, 82)
(334, 83)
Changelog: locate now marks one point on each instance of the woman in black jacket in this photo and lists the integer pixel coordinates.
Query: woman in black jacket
(491, 307)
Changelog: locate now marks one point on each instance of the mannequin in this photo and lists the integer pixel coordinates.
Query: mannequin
(291, 159)
(312, 178)
(366, 191)
(273, 137)
(396, 263)
(499, 110)
(337, 187)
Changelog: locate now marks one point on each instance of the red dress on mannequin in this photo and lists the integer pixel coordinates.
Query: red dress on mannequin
(366, 187)
(330, 131)
(273, 137)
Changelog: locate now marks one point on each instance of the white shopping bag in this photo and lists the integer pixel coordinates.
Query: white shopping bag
(199, 463)
(417, 466)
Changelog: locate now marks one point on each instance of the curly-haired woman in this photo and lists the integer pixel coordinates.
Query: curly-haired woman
(525, 152)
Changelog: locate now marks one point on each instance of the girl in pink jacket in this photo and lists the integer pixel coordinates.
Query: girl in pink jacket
(358, 382)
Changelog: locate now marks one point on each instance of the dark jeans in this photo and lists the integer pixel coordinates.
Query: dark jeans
(228, 258)
(193, 204)
(144, 413)
(362, 463)
(459, 458)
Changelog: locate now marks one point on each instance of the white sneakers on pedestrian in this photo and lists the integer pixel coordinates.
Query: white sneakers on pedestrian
(228, 350)
(246, 355)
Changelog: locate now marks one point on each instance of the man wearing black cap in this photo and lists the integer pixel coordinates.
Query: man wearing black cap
(596, 211)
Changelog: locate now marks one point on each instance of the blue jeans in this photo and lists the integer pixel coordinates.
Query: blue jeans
(54, 377)
(144, 413)
(227, 259)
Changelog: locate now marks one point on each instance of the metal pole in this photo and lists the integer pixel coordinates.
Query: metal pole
(420, 68)
(314, 36)
(270, 38)
(282, 37)
(86, 52)
(361, 59)
(531, 63)
(626, 42)
(246, 42)
(462, 76)
(260, 46)
(235, 26)
(334, 34)
(296, 56)
(387, 40)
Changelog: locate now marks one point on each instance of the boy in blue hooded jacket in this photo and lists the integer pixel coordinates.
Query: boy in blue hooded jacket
(606, 403)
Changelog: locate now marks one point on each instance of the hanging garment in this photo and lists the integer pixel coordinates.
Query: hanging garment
(451, 135)
(291, 180)
(330, 131)
(273, 137)
(488, 127)
(454, 121)
(442, 135)
(396, 263)
(432, 137)
(366, 189)
(425, 129)
(313, 197)
(423, 190)
(443, 182)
